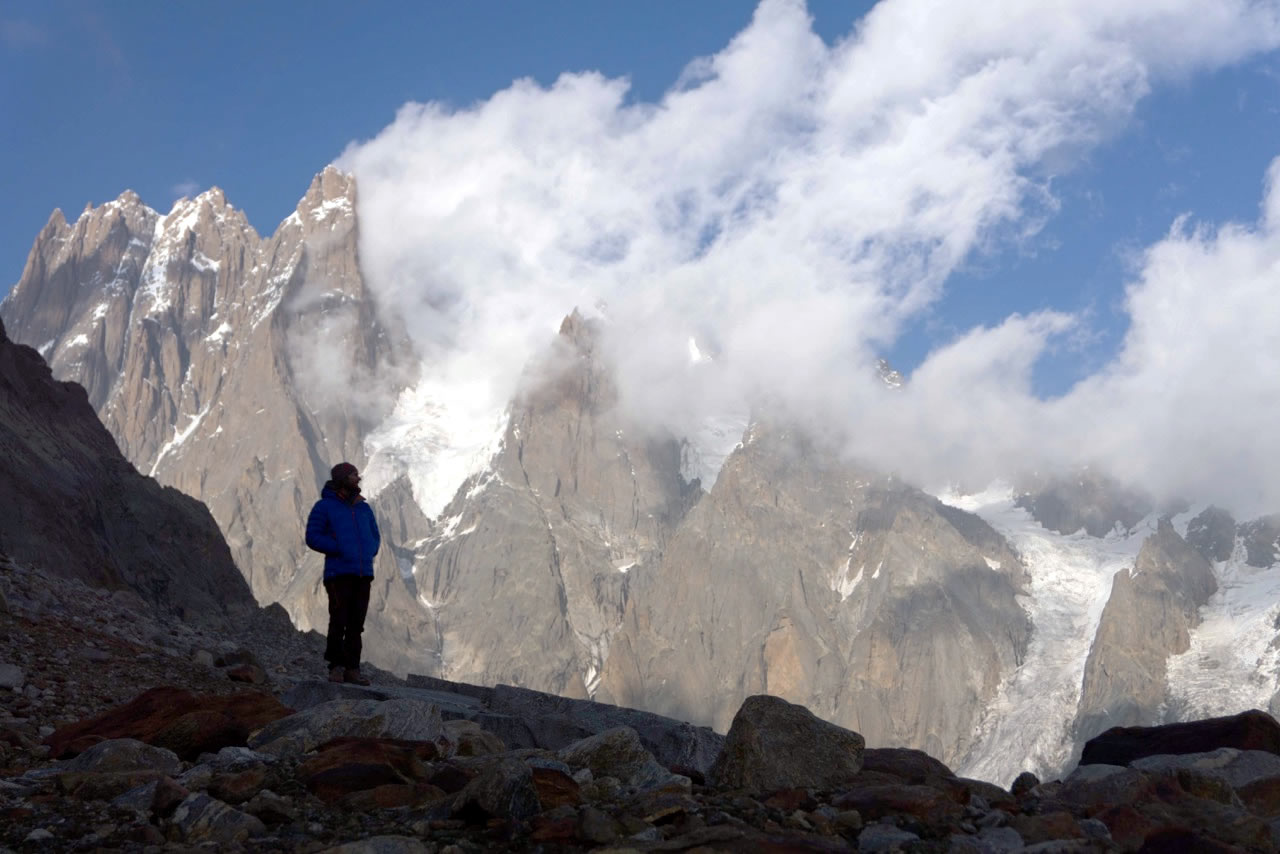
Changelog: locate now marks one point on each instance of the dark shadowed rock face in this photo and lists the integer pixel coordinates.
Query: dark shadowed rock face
(1261, 540)
(1251, 730)
(1148, 618)
(1213, 534)
(1089, 501)
(774, 745)
(80, 510)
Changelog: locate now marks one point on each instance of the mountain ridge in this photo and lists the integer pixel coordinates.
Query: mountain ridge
(238, 368)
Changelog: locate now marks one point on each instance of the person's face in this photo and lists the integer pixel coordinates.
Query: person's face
(352, 481)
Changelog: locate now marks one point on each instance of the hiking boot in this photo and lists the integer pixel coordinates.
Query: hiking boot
(336, 674)
(354, 677)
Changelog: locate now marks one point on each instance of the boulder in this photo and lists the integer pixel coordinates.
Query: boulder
(912, 766)
(619, 753)
(1251, 730)
(186, 723)
(251, 674)
(471, 740)
(270, 808)
(403, 719)
(774, 744)
(556, 788)
(504, 789)
(397, 718)
(125, 754)
(885, 837)
(200, 818)
(105, 785)
(1251, 775)
(1238, 767)
(673, 743)
(923, 802)
(238, 786)
(1098, 786)
(1024, 783)
(355, 764)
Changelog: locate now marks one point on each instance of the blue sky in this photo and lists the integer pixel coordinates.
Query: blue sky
(255, 98)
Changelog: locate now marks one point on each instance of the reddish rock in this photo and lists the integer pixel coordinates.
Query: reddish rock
(1129, 828)
(169, 793)
(923, 802)
(790, 800)
(424, 750)
(392, 795)
(556, 788)
(356, 764)
(1251, 730)
(909, 766)
(249, 673)
(557, 830)
(1262, 797)
(186, 723)
(236, 787)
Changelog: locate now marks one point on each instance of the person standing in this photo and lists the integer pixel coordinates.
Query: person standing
(342, 528)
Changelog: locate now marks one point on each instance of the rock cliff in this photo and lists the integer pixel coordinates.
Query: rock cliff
(1148, 618)
(78, 510)
(828, 585)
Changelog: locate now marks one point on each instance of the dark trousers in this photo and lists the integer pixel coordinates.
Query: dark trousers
(348, 603)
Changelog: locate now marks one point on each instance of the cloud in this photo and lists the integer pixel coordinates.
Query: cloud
(185, 189)
(791, 206)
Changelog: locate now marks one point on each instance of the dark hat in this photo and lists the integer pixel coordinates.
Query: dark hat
(339, 472)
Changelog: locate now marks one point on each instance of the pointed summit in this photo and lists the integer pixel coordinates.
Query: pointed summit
(580, 331)
(330, 198)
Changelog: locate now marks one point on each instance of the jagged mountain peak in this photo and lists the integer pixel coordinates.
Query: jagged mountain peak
(331, 198)
(581, 332)
(128, 205)
(206, 211)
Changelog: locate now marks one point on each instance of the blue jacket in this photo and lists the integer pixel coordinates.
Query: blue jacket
(345, 533)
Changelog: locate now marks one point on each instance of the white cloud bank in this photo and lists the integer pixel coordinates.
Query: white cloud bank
(792, 205)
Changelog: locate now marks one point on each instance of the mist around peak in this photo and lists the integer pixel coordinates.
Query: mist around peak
(791, 206)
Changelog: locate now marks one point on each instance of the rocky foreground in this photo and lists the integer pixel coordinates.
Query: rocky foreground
(124, 730)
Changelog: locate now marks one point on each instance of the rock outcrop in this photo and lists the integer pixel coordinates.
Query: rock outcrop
(1148, 617)
(1089, 501)
(539, 546)
(826, 584)
(79, 510)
